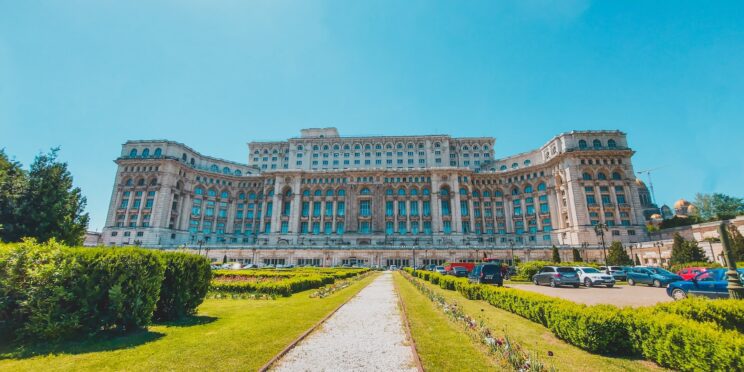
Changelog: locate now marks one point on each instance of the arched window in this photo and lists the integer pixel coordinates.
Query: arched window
(238, 172)
(192, 162)
(597, 144)
(153, 182)
(306, 192)
(498, 193)
(515, 165)
(486, 194)
(141, 182)
(528, 189)
(184, 157)
(389, 192)
(541, 186)
(129, 182)
(463, 191)
(224, 195)
(315, 147)
(611, 144)
(299, 147)
(476, 194)
(616, 176)
(329, 192)
(586, 176)
(601, 176)
(252, 196)
(444, 192)
(425, 191)
(527, 162)
(364, 191)
(199, 191)
(437, 145)
(158, 152)
(145, 153)
(212, 192)
(341, 192)
(582, 144)
(414, 192)
(401, 191)
(241, 196)
(503, 167)
(214, 168)
(515, 191)
(226, 170)
(288, 193)
(318, 192)
(270, 193)
(133, 153)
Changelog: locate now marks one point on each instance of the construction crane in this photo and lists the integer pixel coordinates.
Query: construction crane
(650, 183)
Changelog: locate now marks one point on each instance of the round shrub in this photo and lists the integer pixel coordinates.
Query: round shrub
(184, 286)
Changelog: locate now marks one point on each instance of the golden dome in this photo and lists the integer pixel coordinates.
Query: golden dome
(639, 183)
(655, 216)
(681, 203)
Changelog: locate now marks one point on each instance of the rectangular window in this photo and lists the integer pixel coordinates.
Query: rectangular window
(464, 210)
(287, 208)
(414, 227)
(285, 227)
(401, 208)
(316, 228)
(445, 207)
(517, 211)
(389, 208)
(364, 209)
(590, 200)
(149, 202)
(414, 208)
(136, 204)
(267, 228)
(340, 208)
(303, 227)
(621, 199)
(222, 213)
(606, 199)
(305, 209)
(402, 227)
(316, 209)
(427, 227)
(544, 208)
(328, 228)
(269, 207)
(447, 227)
(426, 208)
(364, 227)
(209, 212)
(465, 227)
(530, 209)
(329, 209)
(389, 227)
(339, 228)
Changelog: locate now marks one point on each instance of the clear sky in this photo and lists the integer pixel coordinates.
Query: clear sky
(89, 75)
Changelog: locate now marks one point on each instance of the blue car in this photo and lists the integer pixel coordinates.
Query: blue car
(711, 283)
(654, 276)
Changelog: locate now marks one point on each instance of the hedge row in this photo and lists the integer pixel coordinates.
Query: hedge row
(666, 338)
(52, 292)
(282, 287)
(725, 313)
(335, 273)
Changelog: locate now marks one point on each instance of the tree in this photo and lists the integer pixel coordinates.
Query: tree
(617, 255)
(737, 243)
(50, 206)
(577, 255)
(718, 206)
(12, 185)
(637, 260)
(556, 255)
(684, 251)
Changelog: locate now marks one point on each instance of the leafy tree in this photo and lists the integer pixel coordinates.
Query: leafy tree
(577, 255)
(718, 206)
(637, 260)
(556, 255)
(737, 243)
(617, 255)
(12, 185)
(50, 206)
(684, 251)
(677, 221)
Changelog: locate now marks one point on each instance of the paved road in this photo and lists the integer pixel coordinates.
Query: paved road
(366, 334)
(624, 295)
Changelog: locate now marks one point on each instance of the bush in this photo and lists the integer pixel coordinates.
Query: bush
(677, 267)
(50, 292)
(724, 313)
(283, 287)
(184, 286)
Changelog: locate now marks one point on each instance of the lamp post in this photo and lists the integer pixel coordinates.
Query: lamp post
(600, 229)
(735, 289)
(511, 247)
(658, 246)
(710, 244)
(200, 242)
(584, 246)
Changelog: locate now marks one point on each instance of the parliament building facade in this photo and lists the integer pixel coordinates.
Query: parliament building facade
(326, 198)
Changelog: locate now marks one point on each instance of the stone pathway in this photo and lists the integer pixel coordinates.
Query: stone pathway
(366, 334)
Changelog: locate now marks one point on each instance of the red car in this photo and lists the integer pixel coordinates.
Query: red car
(690, 272)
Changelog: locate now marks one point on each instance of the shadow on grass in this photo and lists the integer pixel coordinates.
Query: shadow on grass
(106, 341)
(189, 321)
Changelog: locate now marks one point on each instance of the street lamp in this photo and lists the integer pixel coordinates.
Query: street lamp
(584, 246)
(511, 247)
(600, 229)
(658, 246)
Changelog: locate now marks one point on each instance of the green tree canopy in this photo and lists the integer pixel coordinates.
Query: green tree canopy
(718, 206)
(684, 251)
(50, 206)
(556, 255)
(617, 255)
(12, 185)
(737, 243)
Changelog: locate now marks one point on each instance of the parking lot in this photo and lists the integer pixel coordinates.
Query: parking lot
(623, 295)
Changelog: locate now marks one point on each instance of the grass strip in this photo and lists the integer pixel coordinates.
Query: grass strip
(441, 345)
(227, 335)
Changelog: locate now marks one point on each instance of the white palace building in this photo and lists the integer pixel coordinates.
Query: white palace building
(325, 199)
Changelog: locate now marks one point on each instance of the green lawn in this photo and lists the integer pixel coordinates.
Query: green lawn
(227, 335)
(441, 344)
(538, 339)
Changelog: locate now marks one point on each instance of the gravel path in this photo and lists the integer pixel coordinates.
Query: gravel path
(366, 334)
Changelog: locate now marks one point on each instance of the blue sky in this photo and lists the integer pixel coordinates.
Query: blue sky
(88, 75)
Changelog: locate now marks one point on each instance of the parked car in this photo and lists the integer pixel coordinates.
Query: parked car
(617, 272)
(711, 283)
(430, 267)
(690, 272)
(459, 272)
(654, 276)
(441, 270)
(557, 276)
(486, 273)
(393, 267)
(590, 276)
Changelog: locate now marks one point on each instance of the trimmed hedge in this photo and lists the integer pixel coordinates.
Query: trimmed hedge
(282, 287)
(669, 339)
(184, 286)
(51, 292)
(677, 267)
(724, 313)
